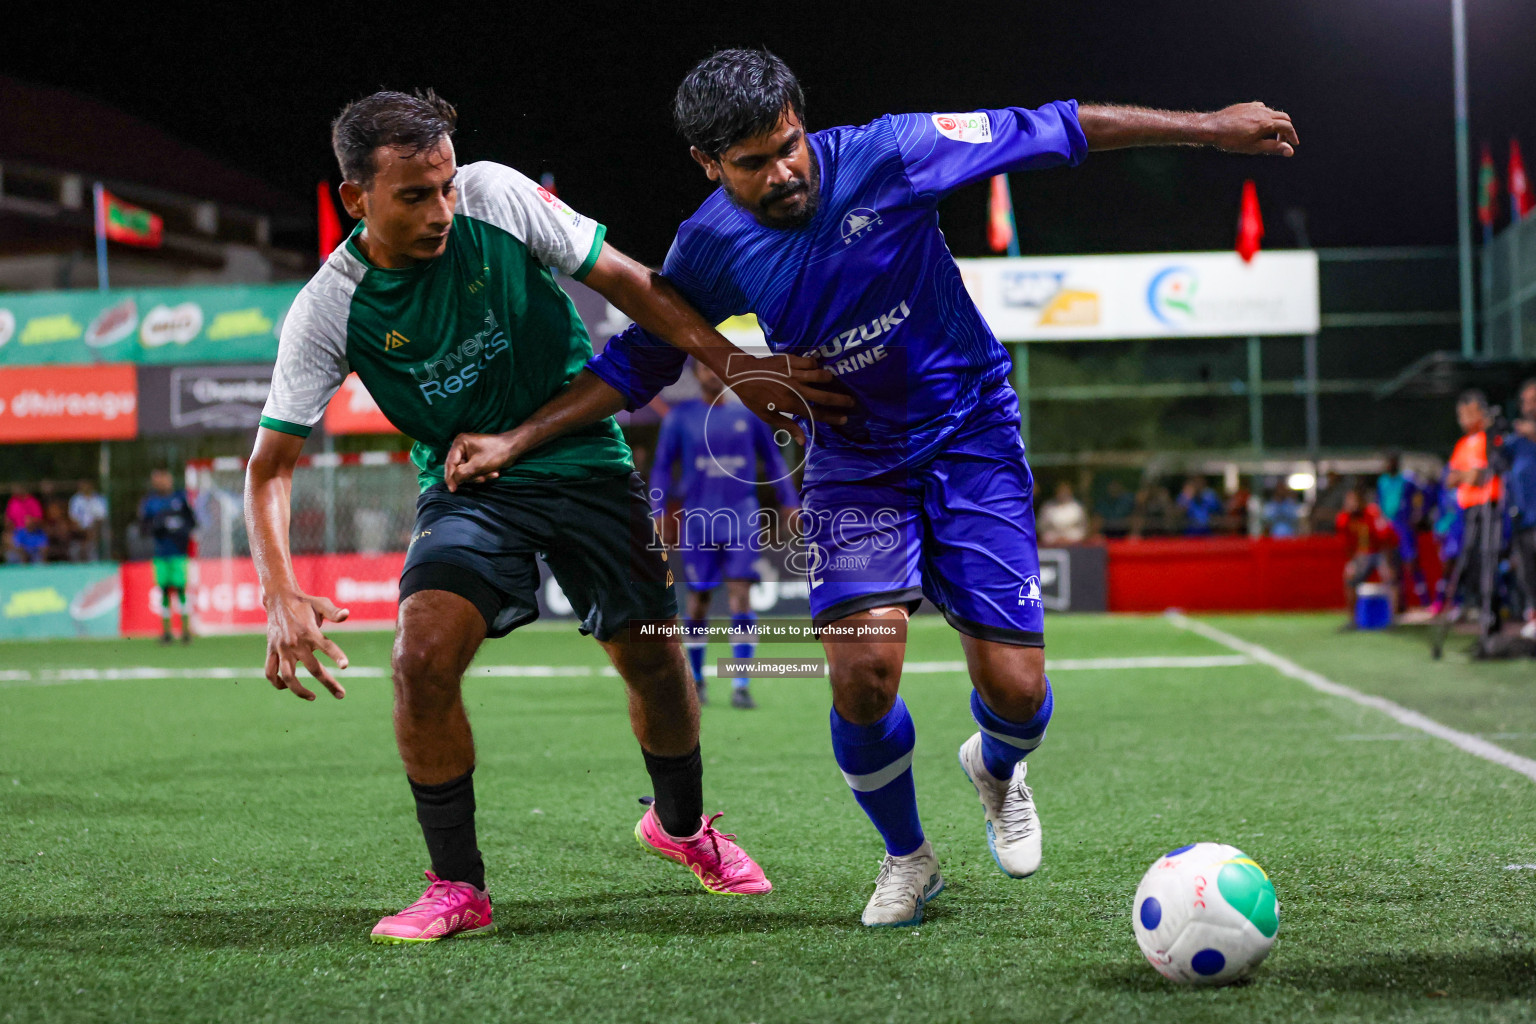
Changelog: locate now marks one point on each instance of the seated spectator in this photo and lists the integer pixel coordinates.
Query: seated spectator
(21, 508)
(1282, 513)
(30, 542)
(1368, 539)
(62, 532)
(1115, 509)
(1330, 500)
(1154, 512)
(88, 511)
(1235, 510)
(1200, 506)
(1062, 520)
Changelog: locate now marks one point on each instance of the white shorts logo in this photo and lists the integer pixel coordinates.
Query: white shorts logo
(975, 128)
(1030, 591)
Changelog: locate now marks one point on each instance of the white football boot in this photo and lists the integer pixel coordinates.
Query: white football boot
(903, 886)
(1013, 827)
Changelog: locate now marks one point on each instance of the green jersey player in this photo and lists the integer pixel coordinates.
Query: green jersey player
(444, 303)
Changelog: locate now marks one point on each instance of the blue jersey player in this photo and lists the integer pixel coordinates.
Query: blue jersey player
(708, 459)
(832, 238)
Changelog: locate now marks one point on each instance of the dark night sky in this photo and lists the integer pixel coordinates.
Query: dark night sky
(583, 90)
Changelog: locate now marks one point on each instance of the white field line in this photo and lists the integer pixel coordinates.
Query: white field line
(1474, 745)
(61, 676)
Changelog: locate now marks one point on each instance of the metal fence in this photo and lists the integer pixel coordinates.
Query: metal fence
(1509, 293)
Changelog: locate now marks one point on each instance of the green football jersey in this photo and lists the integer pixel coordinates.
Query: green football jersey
(473, 341)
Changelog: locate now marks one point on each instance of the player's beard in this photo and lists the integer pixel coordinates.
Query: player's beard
(809, 186)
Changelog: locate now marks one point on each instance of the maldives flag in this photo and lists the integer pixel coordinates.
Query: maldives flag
(1002, 234)
(1487, 188)
(1250, 223)
(129, 224)
(330, 224)
(1520, 201)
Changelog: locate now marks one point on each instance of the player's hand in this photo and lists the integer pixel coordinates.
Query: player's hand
(777, 387)
(478, 459)
(293, 637)
(1254, 129)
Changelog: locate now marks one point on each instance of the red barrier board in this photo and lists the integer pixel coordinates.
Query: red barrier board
(1209, 574)
(226, 595)
(69, 403)
(353, 411)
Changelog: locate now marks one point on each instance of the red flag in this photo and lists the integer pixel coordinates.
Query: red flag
(1487, 190)
(330, 224)
(1520, 200)
(129, 224)
(1250, 223)
(1001, 235)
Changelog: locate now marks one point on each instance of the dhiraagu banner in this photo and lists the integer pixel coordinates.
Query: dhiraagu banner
(144, 325)
(60, 600)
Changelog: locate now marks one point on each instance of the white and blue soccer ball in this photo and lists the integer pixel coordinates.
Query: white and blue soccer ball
(1205, 914)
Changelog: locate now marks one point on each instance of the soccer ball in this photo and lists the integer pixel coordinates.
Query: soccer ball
(1205, 914)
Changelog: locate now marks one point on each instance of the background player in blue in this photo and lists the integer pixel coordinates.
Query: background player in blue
(167, 516)
(832, 238)
(708, 456)
(1401, 500)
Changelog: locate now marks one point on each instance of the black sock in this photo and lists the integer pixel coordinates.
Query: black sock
(679, 785)
(447, 815)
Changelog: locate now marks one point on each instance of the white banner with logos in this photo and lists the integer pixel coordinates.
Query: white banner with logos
(1145, 295)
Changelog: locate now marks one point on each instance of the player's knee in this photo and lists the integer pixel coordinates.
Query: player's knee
(650, 666)
(864, 685)
(424, 678)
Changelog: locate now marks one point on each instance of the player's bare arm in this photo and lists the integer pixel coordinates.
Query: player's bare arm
(761, 383)
(294, 618)
(1249, 128)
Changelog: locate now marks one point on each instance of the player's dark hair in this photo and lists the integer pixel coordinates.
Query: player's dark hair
(413, 121)
(733, 95)
(1472, 396)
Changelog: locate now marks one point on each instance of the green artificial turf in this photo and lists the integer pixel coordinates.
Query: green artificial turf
(210, 849)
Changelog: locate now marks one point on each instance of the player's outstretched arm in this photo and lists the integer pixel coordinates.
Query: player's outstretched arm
(1251, 128)
(293, 617)
(772, 387)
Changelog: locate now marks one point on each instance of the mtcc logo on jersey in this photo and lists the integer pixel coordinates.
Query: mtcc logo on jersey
(394, 340)
(858, 223)
(1030, 591)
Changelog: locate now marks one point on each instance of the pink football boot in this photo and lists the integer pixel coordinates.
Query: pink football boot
(446, 909)
(717, 862)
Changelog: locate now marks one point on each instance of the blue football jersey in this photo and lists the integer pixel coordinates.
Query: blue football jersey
(869, 285)
(722, 451)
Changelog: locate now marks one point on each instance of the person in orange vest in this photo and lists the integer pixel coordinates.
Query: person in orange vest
(1478, 491)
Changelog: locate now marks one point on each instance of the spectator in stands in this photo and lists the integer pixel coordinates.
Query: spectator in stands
(1330, 501)
(1114, 510)
(88, 511)
(22, 509)
(167, 516)
(1521, 479)
(1368, 540)
(1154, 512)
(1200, 505)
(1062, 520)
(1478, 493)
(1281, 514)
(30, 543)
(60, 530)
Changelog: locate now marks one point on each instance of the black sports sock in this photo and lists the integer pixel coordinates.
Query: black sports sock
(447, 815)
(679, 785)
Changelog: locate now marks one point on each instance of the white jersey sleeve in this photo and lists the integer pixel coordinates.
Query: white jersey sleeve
(557, 235)
(312, 349)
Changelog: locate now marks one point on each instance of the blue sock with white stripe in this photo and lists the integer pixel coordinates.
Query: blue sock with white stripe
(694, 643)
(877, 762)
(1004, 743)
(745, 645)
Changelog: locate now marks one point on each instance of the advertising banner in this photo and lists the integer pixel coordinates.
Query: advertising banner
(68, 403)
(226, 595)
(192, 400)
(59, 601)
(1150, 295)
(353, 411)
(149, 325)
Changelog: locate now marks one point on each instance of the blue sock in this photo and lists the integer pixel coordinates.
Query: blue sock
(877, 762)
(694, 645)
(745, 646)
(1004, 743)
